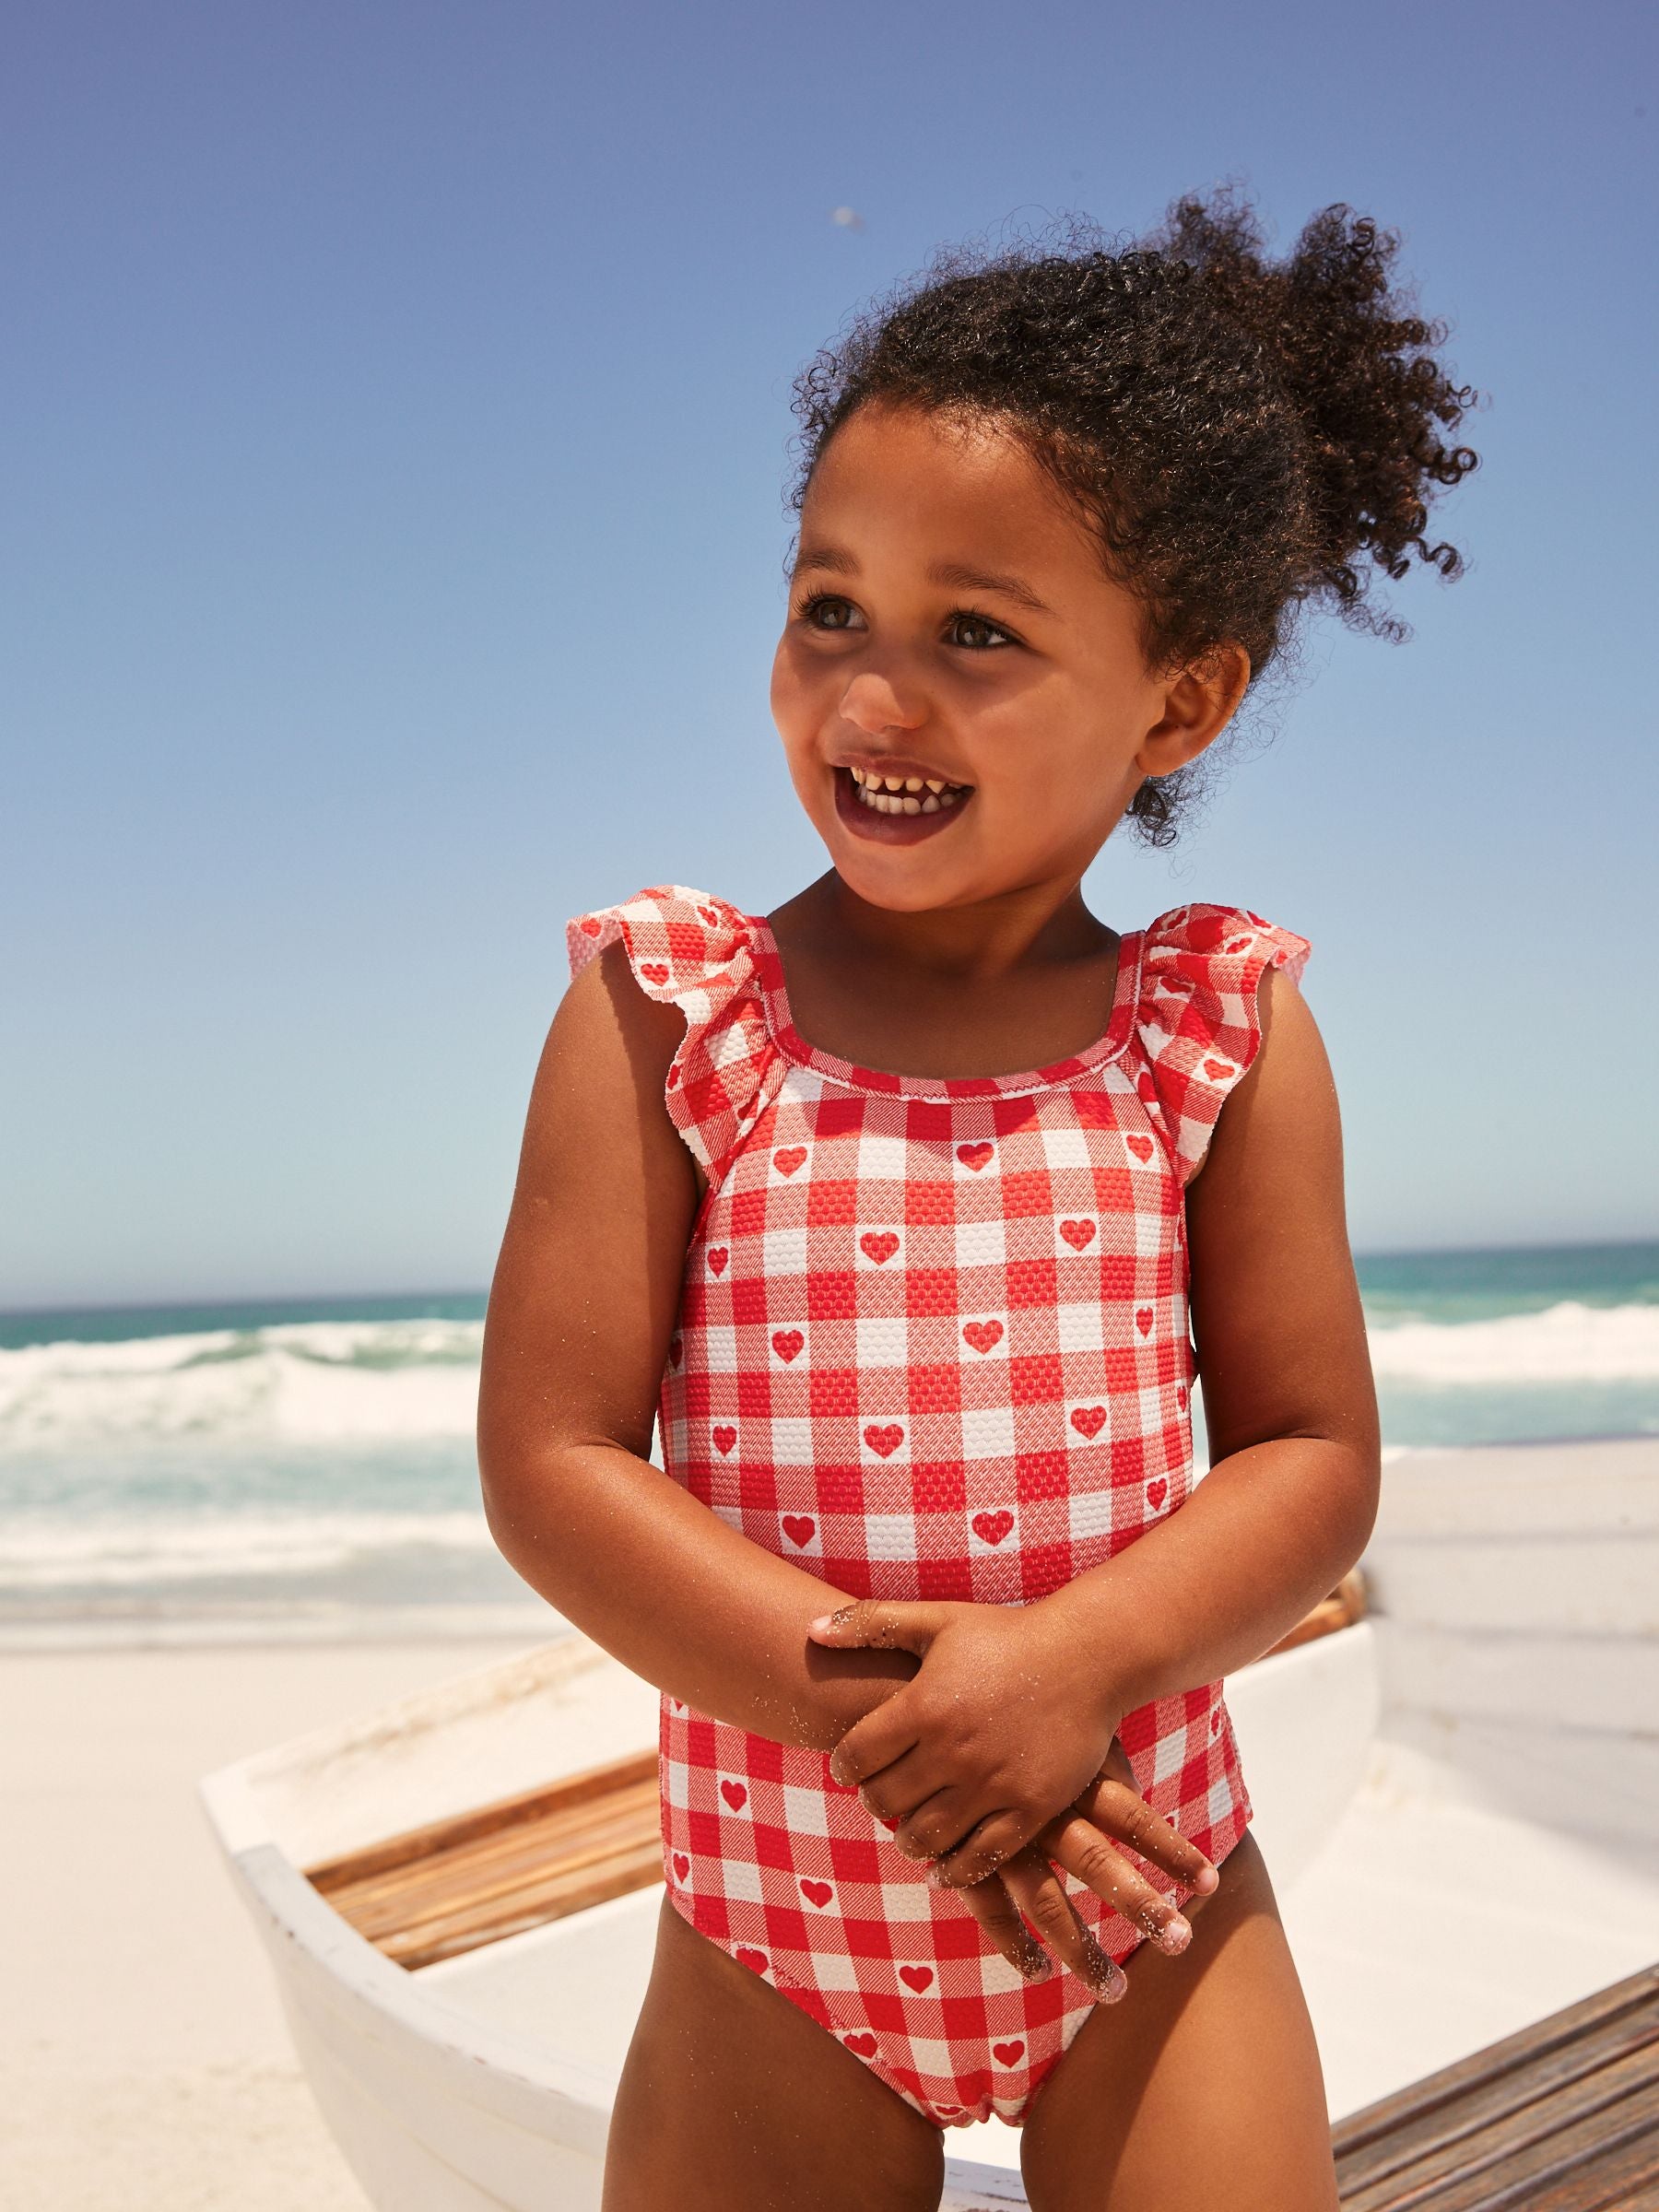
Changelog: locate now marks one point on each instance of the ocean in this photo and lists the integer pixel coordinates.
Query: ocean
(273, 1471)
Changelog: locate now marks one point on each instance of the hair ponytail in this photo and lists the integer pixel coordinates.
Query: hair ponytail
(1354, 359)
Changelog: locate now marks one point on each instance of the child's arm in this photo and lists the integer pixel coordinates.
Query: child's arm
(580, 1313)
(973, 1756)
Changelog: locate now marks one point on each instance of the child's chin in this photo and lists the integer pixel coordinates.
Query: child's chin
(903, 878)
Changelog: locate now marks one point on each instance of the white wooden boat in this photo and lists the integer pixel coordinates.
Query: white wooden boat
(464, 2046)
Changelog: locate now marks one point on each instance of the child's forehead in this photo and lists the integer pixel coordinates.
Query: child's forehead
(894, 479)
(956, 451)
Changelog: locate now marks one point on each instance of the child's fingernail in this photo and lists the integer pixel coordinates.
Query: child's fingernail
(1175, 1934)
(824, 1620)
(1205, 1879)
(1104, 1972)
(1034, 1962)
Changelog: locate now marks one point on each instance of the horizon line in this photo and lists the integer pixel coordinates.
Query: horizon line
(316, 1298)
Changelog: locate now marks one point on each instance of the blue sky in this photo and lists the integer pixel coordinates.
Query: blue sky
(390, 562)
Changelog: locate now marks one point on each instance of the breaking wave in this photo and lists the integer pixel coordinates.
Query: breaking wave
(297, 1383)
(343, 1383)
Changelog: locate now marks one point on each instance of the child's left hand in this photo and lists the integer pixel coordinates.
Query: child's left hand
(1002, 1728)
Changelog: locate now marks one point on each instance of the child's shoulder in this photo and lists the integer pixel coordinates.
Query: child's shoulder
(697, 953)
(1224, 943)
(1200, 1016)
(674, 938)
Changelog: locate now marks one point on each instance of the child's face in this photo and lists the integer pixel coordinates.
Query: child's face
(950, 624)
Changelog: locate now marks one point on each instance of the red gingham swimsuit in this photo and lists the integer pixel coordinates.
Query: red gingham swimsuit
(932, 1344)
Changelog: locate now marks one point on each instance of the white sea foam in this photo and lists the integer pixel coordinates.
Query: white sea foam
(105, 1553)
(316, 1383)
(311, 1382)
(1565, 1343)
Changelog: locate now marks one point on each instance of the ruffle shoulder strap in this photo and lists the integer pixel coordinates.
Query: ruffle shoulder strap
(693, 951)
(1199, 1018)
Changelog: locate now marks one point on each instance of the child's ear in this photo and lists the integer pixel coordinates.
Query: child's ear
(1199, 703)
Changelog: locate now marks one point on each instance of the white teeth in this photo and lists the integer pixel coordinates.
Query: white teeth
(906, 795)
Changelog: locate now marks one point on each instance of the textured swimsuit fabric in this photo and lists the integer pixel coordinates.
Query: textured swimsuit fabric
(933, 1343)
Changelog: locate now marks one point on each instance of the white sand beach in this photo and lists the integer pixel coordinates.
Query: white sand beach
(143, 2050)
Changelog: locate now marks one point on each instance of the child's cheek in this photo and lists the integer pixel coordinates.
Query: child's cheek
(794, 705)
(813, 784)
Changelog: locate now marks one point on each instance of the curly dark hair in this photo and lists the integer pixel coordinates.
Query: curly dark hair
(1241, 433)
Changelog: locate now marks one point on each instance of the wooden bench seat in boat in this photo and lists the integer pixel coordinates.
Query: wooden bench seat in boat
(456, 1884)
(436, 1891)
(1562, 2117)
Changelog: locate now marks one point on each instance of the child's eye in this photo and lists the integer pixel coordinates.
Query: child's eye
(823, 610)
(977, 632)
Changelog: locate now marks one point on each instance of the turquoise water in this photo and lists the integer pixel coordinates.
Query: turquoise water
(305, 1467)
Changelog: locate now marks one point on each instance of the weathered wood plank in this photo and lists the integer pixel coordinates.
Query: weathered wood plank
(440, 1835)
(560, 1893)
(1561, 2117)
(1621, 2006)
(495, 1863)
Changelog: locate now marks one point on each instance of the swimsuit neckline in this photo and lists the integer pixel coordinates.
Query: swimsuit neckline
(780, 1022)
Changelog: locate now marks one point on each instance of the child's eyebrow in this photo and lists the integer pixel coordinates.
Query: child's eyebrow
(833, 558)
(957, 574)
(987, 580)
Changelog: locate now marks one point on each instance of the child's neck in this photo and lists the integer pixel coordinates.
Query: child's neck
(997, 988)
(1035, 926)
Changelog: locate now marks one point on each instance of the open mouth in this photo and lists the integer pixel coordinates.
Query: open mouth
(899, 809)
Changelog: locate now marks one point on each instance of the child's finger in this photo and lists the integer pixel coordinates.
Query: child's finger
(884, 1735)
(915, 1797)
(1078, 1846)
(878, 1623)
(984, 1848)
(996, 1913)
(1119, 1809)
(1040, 1896)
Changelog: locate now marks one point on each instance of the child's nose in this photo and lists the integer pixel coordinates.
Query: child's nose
(874, 702)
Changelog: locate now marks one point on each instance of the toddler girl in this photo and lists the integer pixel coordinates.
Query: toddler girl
(902, 1208)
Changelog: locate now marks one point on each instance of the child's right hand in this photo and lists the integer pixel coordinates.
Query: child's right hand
(1077, 1840)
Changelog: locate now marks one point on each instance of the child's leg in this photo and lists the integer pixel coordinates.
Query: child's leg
(733, 2099)
(1202, 2087)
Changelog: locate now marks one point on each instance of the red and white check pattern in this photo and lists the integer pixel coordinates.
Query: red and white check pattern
(933, 1343)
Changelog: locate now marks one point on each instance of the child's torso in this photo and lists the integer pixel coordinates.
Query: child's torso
(938, 1346)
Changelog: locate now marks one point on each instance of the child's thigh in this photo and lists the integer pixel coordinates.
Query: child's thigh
(1202, 2087)
(733, 2099)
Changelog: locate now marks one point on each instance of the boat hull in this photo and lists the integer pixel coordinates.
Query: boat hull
(483, 2084)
